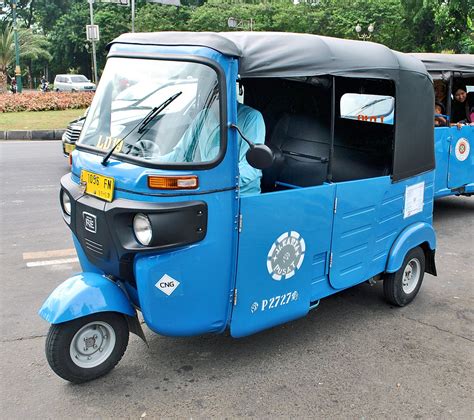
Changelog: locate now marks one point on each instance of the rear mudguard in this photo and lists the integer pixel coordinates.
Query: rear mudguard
(85, 294)
(418, 234)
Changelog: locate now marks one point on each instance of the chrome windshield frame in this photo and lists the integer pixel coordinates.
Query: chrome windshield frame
(222, 85)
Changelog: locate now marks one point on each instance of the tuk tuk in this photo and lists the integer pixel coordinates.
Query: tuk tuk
(454, 158)
(229, 181)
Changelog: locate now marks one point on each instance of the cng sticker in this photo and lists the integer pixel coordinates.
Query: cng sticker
(462, 149)
(167, 284)
(286, 255)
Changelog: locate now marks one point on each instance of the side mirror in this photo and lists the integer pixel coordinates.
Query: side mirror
(260, 156)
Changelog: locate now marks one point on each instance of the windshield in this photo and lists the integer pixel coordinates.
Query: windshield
(79, 79)
(155, 110)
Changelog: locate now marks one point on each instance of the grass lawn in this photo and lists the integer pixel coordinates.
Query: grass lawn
(42, 120)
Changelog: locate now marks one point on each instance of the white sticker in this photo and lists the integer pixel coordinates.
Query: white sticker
(286, 255)
(462, 149)
(167, 284)
(414, 199)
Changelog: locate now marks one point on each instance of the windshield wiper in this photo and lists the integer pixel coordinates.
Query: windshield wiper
(155, 111)
(142, 124)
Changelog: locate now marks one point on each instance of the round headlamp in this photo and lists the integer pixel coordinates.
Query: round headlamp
(142, 229)
(66, 203)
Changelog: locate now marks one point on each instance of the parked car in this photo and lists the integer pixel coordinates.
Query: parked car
(73, 83)
(71, 135)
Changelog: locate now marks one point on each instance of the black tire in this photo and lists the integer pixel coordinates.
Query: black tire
(57, 90)
(59, 346)
(395, 290)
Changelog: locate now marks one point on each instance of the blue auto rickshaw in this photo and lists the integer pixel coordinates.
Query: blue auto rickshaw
(453, 143)
(229, 181)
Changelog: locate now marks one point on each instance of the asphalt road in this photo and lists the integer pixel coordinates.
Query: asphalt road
(354, 357)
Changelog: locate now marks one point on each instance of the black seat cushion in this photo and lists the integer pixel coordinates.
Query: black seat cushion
(302, 142)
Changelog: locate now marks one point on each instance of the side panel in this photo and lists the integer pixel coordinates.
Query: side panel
(187, 291)
(283, 256)
(461, 157)
(442, 144)
(370, 215)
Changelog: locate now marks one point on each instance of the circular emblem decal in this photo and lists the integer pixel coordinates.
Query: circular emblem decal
(286, 255)
(462, 149)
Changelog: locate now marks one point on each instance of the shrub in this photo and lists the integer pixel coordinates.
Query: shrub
(49, 101)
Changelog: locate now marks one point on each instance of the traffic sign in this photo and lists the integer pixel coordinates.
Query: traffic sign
(121, 2)
(92, 32)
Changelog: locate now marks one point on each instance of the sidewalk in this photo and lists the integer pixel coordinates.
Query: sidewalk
(31, 135)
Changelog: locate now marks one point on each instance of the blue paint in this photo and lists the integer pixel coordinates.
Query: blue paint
(308, 211)
(84, 294)
(360, 235)
(411, 237)
(453, 174)
(201, 302)
(369, 218)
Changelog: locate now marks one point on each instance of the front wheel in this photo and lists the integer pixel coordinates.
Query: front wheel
(86, 348)
(401, 287)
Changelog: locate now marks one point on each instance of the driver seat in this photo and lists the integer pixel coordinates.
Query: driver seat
(301, 147)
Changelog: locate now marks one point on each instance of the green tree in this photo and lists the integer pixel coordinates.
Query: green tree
(33, 47)
(7, 55)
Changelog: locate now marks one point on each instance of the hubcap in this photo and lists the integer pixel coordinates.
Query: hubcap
(92, 344)
(411, 276)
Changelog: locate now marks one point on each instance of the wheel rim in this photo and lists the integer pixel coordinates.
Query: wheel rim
(92, 344)
(411, 276)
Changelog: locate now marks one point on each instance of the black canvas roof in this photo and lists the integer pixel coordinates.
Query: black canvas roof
(463, 63)
(275, 54)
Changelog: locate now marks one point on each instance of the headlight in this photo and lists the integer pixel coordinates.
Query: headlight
(66, 203)
(142, 229)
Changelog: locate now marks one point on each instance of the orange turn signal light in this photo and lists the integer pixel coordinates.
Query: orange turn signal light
(190, 182)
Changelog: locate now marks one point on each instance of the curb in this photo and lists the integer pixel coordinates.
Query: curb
(31, 135)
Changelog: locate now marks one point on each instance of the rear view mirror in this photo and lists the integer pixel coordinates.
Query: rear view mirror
(260, 156)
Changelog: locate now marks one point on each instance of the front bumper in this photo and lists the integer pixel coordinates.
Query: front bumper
(109, 242)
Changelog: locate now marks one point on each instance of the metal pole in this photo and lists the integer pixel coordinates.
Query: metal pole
(333, 129)
(19, 84)
(94, 58)
(133, 15)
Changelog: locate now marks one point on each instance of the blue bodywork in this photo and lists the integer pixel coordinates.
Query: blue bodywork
(84, 294)
(349, 229)
(334, 236)
(412, 236)
(453, 176)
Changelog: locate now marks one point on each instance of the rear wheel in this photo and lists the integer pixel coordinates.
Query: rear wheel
(401, 287)
(86, 348)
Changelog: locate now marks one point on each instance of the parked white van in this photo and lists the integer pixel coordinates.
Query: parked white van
(73, 83)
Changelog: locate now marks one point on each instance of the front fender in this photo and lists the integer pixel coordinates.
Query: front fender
(411, 237)
(82, 295)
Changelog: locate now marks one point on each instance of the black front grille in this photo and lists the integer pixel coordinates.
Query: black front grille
(94, 246)
(72, 134)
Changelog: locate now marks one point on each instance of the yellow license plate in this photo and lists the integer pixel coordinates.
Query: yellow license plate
(98, 185)
(68, 148)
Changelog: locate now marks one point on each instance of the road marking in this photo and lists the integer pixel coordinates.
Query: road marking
(52, 262)
(49, 254)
